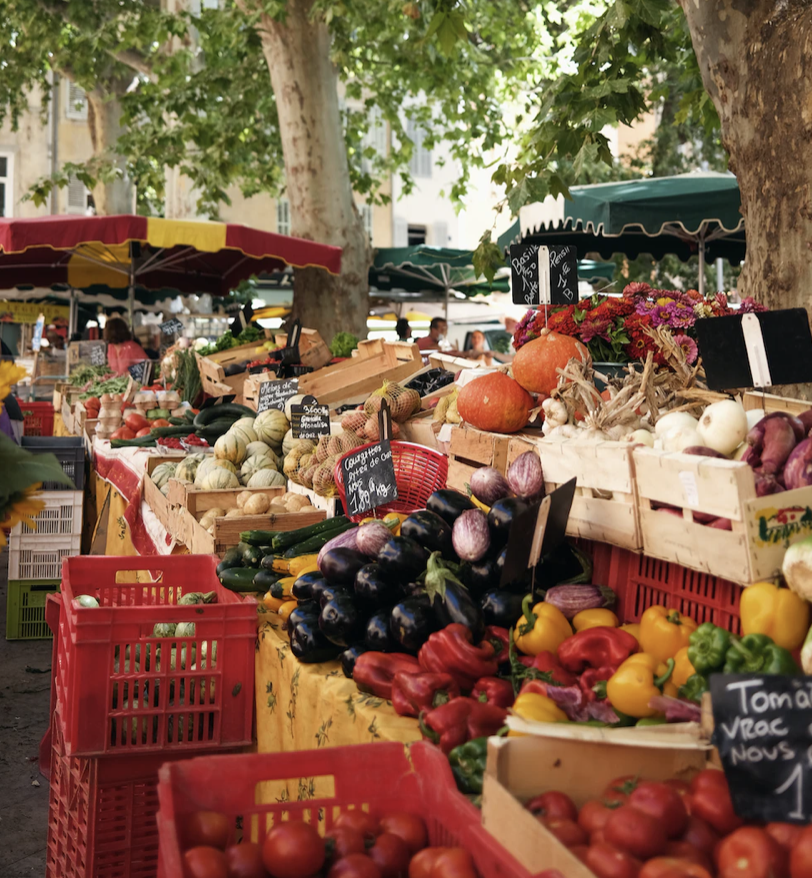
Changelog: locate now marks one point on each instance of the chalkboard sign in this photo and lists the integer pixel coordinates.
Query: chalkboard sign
(309, 420)
(762, 730)
(369, 478)
(171, 326)
(141, 371)
(543, 275)
(274, 394)
(98, 354)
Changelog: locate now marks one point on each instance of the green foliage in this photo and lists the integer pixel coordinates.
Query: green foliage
(343, 344)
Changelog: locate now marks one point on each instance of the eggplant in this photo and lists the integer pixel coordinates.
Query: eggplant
(340, 621)
(429, 530)
(489, 485)
(565, 564)
(372, 587)
(411, 589)
(349, 657)
(331, 592)
(456, 605)
(302, 589)
(501, 608)
(377, 636)
(571, 599)
(305, 610)
(448, 504)
(339, 566)
(481, 575)
(411, 622)
(402, 559)
(501, 517)
(309, 644)
(471, 535)
(520, 585)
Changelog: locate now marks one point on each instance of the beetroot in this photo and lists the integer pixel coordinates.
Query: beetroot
(798, 471)
(771, 442)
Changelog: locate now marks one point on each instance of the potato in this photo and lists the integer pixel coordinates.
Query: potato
(234, 513)
(308, 509)
(278, 502)
(243, 497)
(297, 501)
(257, 504)
(210, 515)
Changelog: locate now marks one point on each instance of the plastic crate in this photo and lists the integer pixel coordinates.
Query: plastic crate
(375, 777)
(641, 582)
(62, 516)
(38, 418)
(119, 689)
(68, 450)
(25, 609)
(32, 557)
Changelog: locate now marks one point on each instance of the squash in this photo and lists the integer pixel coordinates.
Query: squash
(186, 470)
(230, 447)
(219, 479)
(294, 400)
(163, 473)
(253, 464)
(267, 478)
(535, 365)
(271, 426)
(257, 505)
(243, 424)
(211, 464)
(247, 434)
(288, 443)
(257, 447)
(495, 403)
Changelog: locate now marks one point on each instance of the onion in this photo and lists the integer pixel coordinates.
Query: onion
(723, 426)
(753, 417)
(797, 568)
(371, 538)
(771, 442)
(680, 438)
(674, 420)
(489, 485)
(641, 437)
(798, 470)
(702, 451)
(525, 476)
(471, 536)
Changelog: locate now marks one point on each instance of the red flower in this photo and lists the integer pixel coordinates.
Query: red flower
(636, 289)
(561, 321)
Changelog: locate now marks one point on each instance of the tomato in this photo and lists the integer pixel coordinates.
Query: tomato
(354, 866)
(454, 863)
(662, 803)
(800, 858)
(593, 815)
(597, 837)
(608, 862)
(245, 861)
(710, 800)
(422, 863)
(567, 831)
(136, 422)
(786, 834)
(579, 850)
(205, 862)
(160, 422)
(207, 828)
(621, 788)
(750, 852)
(343, 841)
(365, 823)
(673, 867)
(683, 788)
(552, 804)
(391, 855)
(293, 850)
(684, 850)
(410, 828)
(123, 433)
(635, 832)
(700, 835)
(145, 432)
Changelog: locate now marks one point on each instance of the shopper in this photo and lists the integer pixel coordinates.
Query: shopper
(122, 351)
(438, 329)
(148, 338)
(403, 329)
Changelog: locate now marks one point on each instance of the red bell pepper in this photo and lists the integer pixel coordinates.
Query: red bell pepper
(596, 648)
(413, 693)
(377, 671)
(459, 721)
(492, 690)
(499, 638)
(549, 669)
(452, 651)
(593, 681)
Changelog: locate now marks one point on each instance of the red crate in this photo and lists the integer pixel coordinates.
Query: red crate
(166, 693)
(102, 813)
(641, 582)
(374, 777)
(38, 418)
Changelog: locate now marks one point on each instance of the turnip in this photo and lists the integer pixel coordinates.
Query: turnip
(674, 420)
(723, 426)
(680, 438)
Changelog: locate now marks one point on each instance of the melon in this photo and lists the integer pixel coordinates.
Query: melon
(271, 426)
(230, 447)
(535, 365)
(267, 478)
(220, 479)
(495, 403)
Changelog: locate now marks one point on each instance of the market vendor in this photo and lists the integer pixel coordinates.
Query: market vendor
(122, 351)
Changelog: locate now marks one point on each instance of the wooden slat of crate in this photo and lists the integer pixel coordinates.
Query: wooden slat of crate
(198, 502)
(772, 403)
(67, 415)
(470, 449)
(313, 350)
(157, 502)
(330, 505)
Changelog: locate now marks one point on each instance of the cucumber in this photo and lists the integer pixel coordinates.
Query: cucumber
(231, 558)
(189, 416)
(226, 410)
(251, 557)
(141, 442)
(290, 538)
(177, 422)
(257, 537)
(240, 579)
(168, 431)
(213, 431)
(264, 580)
(314, 544)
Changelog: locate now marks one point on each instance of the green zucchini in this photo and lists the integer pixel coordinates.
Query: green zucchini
(140, 442)
(189, 416)
(257, 537)
(224, 410)
(314, 544)
(251, 557)
(264, 580)
(239, 579)
(214, 431)
(289, 538)
(177, 422)
(231, 558)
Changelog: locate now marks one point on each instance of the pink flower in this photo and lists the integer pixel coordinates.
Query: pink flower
(644, 307)
(636, 289)
(750, 306)
(689, 348)
(681, 315)
(592, 328)
(660, 315)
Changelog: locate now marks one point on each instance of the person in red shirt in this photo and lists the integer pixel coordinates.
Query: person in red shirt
(122, 351)
(437, 330)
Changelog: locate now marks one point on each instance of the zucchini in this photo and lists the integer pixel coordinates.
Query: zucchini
(168, 431)
(271, 562)
(226, 410)
(177, 422)
(240, 579)
(251, 557)
(264, 580)
(257, 537)
(314, 544)
(140, 442)
(231, 558)
(212, 432)
(189, 416)
(289, 538)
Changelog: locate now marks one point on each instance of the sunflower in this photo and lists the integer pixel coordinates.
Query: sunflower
(9, 375)
(23, 507)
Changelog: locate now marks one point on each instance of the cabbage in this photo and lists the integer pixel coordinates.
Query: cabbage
(343, 344)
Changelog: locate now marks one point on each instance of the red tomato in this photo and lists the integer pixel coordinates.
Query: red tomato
(786, 834)
(160, 422)
(593, 815)
(343, 841)
(567, 831)
(422, 863)
(454, 863)
(245, 861)
(365, 823)
(553, 804)
(710, 800)
(293, 850)
(683, 788)
(123, 433)
(700, 835)
(579, 850)
(662, 803)
(621, 788)
(597, 837)
(136, 422)
(750, 852)
(410, 828)
(391, 855)
(205, 862)
(207, 828)
(673, 867)
(145, 432)
(800, 858)
(608, 862)
(354, 866)
(635, 832)
(684, 850)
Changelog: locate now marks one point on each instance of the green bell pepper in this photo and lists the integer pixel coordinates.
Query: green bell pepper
(694, 688)
(468, 765)
(758, 654)
(707, 648)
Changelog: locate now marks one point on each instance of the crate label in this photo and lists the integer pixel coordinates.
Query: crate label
(689, 489)
(782, 525)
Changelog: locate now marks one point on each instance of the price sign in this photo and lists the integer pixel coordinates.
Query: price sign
(543, 275)
(141, 372)
(309, 420)
(274, 394)
(171, 327)
(98, 354)
(763, 730)
(369, 475)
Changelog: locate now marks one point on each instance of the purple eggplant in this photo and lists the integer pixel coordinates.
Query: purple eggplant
(471, 536)
(489, 485)
(371, 538)
(572, 599)
(340, 566)
(346, 540)
(525, 476)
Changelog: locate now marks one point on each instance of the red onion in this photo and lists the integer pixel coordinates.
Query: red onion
(798, 471)
(703, 451)
(796, 423)
(767, 485)
(525, 476)
(489, 485)
(470, 536)
(806, 419)
(770, 443)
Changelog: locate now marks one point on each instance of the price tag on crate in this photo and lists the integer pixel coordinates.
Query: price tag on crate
(98, 354)
(369, 475)
(763, 731)
(274, 394)
(141, 372)
(309, 420)
(543, 275)
(172, 326)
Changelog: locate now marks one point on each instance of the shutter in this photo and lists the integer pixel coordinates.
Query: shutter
(400, 233)
(366, 216)
(425, 160)
(76, 103)
(440, 234)
(283, 216)
(77, 195)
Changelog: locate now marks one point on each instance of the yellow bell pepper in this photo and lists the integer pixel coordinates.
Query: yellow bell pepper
(542, 629)
(393, 521)
(777, 612)
(599, 618)
(639, 679)
(682, 668)
(271, 603)
(632, 628)
(664, 632)
(286, 609)
(540, 708)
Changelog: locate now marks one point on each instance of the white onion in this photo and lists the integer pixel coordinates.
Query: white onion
(753, 417)
(723, 426)
(641, 437)
(681, 437)
(673, 421)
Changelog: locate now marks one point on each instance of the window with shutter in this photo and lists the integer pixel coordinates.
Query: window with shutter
(421, 161)
(77, 195)
(6, 184)
(440, 234)
(283, 216)
(400, 233)
(75, 102)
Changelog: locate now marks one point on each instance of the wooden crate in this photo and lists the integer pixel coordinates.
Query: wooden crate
(772, 403)
(313, 350)
(164, 511)
(67, 414)
(763, 527)
(605, 506)
(470, 449)
(64, 391)
(421, 429)
(198, 501)
(212, 368)
(330, 505)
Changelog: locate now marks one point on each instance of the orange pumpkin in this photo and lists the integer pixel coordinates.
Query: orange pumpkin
(494, 403)
(535, 365)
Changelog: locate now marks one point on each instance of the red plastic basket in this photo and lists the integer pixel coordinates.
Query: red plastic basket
(38, 418)
(119, 689)
(373, 777)
(419, 472)
(641, 582)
